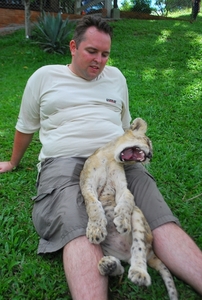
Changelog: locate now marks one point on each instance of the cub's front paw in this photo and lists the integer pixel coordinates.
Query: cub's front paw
(122, 220)
(139, 276)
(96, 231)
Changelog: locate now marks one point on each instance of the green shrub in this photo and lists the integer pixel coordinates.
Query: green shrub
(142, 6)
(53, 33)
(126, 5)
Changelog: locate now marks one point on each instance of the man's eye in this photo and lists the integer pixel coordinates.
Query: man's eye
(105, 54)
(91, 51)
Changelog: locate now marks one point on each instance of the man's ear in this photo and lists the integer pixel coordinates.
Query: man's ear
(72, 47)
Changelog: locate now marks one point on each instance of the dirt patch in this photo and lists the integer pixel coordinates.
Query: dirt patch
(10, 29)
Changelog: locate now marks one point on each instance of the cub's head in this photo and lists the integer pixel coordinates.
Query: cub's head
(134, 145)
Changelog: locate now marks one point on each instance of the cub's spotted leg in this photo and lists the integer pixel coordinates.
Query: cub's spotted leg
(96, 230)
(123, 213)
(155, 263)
(110, 265)
(138, 271)
(123, 198)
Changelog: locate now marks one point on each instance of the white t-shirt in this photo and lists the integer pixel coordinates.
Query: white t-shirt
(74, 116)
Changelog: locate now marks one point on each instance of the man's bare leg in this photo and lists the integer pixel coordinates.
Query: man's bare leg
(80, 259)
(179, 253)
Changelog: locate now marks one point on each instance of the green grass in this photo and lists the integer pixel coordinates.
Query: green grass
(161, 61)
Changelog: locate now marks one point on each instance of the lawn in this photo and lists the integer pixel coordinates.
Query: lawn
(162, 62)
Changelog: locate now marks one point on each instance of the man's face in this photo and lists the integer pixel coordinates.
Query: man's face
(90, 58)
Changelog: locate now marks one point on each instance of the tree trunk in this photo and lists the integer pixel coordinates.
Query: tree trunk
(27, 19)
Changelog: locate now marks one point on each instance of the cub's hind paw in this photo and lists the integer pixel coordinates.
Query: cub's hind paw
(139, 276)
(109, 265)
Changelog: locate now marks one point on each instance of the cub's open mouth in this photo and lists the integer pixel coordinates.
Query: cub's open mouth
(133, 154)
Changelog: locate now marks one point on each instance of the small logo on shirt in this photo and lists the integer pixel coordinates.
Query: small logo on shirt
(111, 100)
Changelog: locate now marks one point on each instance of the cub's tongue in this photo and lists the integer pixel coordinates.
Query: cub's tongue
(132, 154)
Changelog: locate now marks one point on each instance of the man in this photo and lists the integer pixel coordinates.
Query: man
(78, 108)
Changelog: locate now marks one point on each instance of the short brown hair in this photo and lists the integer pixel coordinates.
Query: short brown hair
(88, 21)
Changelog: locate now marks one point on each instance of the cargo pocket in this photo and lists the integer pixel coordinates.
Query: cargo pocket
(42, 212)
(42, 195)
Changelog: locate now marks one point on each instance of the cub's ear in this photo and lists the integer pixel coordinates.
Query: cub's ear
(139, 126)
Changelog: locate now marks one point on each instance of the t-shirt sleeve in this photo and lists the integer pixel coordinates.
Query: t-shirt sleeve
(125, 116)
(29, 115)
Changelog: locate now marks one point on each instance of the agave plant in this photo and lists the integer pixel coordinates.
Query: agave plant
(53, 33)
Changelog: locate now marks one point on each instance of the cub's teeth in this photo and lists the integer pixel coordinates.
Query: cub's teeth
(141, 151)
(122, 154)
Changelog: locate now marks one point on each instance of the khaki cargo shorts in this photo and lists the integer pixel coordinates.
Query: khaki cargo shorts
(59, 213)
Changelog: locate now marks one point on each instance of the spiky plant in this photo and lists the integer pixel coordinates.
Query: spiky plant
(53, 33)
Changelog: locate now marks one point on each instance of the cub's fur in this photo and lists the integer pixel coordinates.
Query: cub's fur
(114, 219)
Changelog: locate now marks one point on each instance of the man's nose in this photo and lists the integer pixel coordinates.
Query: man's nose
(98, 57)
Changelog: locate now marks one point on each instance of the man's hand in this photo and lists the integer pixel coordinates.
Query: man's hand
(21, 142)
(6, 166)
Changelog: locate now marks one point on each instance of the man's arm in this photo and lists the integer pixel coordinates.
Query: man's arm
(21, 143)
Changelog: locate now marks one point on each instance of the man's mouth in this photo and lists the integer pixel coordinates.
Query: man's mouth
(94, 67)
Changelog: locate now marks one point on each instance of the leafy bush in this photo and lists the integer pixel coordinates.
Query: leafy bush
(126, 5)
(52, 33)
(142, 6)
